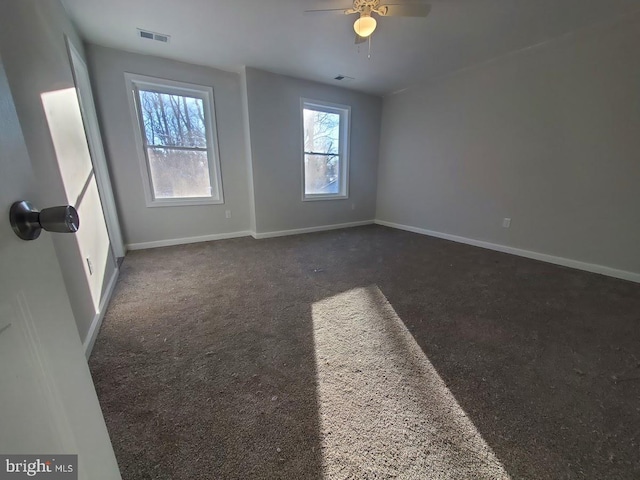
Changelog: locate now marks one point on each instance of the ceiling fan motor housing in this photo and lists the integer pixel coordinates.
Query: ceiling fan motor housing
(366, 8)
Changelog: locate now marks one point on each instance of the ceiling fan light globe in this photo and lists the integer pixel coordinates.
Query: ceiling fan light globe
(365, 26)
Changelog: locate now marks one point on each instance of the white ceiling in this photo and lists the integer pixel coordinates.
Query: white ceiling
(277, 35)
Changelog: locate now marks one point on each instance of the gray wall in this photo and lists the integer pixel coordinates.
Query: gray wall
(549, 137)
(247, 143)
(276, 151)
(142, 224)
(36, 61)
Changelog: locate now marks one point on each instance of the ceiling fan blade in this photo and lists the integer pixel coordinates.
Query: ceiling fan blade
(360, 39)
(405, 10)
(341, 10)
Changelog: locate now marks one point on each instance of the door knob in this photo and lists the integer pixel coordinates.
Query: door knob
(27, 222)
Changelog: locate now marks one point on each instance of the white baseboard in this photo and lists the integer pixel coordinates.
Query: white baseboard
(185, 240)
(565, 262)
(92, 334)
(321, 228)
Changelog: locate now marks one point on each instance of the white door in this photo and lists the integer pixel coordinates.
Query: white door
(48, 404)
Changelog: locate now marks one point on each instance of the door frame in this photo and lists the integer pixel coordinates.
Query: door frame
(96, 148)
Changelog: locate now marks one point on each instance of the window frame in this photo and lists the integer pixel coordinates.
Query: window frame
(343, 151)
(134, 82)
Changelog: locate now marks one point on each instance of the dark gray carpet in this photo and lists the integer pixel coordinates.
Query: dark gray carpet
(367, 353)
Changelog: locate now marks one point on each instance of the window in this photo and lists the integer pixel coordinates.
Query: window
(325, 136)
(177, 141)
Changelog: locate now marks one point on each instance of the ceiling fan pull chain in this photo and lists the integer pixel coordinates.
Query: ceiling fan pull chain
(369, 54)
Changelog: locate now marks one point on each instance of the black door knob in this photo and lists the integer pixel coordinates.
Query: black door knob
(27, 222)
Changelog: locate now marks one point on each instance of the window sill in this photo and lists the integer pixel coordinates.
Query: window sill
(315, 198)
(186, 202)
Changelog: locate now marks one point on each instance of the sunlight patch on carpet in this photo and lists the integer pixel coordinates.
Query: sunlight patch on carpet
(384, 410)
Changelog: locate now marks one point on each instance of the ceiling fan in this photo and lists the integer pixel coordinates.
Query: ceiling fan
(366, 23)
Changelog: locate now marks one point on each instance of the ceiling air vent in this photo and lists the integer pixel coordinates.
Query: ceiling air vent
(343, 78)
(159, 37)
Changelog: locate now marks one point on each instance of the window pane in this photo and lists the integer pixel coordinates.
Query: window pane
(179, 173)
(321, 131)
(321, 174)
(172, 120)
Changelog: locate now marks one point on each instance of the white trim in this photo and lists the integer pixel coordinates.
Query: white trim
(344, 144)
(92, 334)
(565, 262)
(206, 94)
(96, 148)
(185, 240)
(321, 228)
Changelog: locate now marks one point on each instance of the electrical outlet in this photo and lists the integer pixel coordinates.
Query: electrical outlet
(90, 265)
(227, 213)
(506, 222)
(353, 206)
